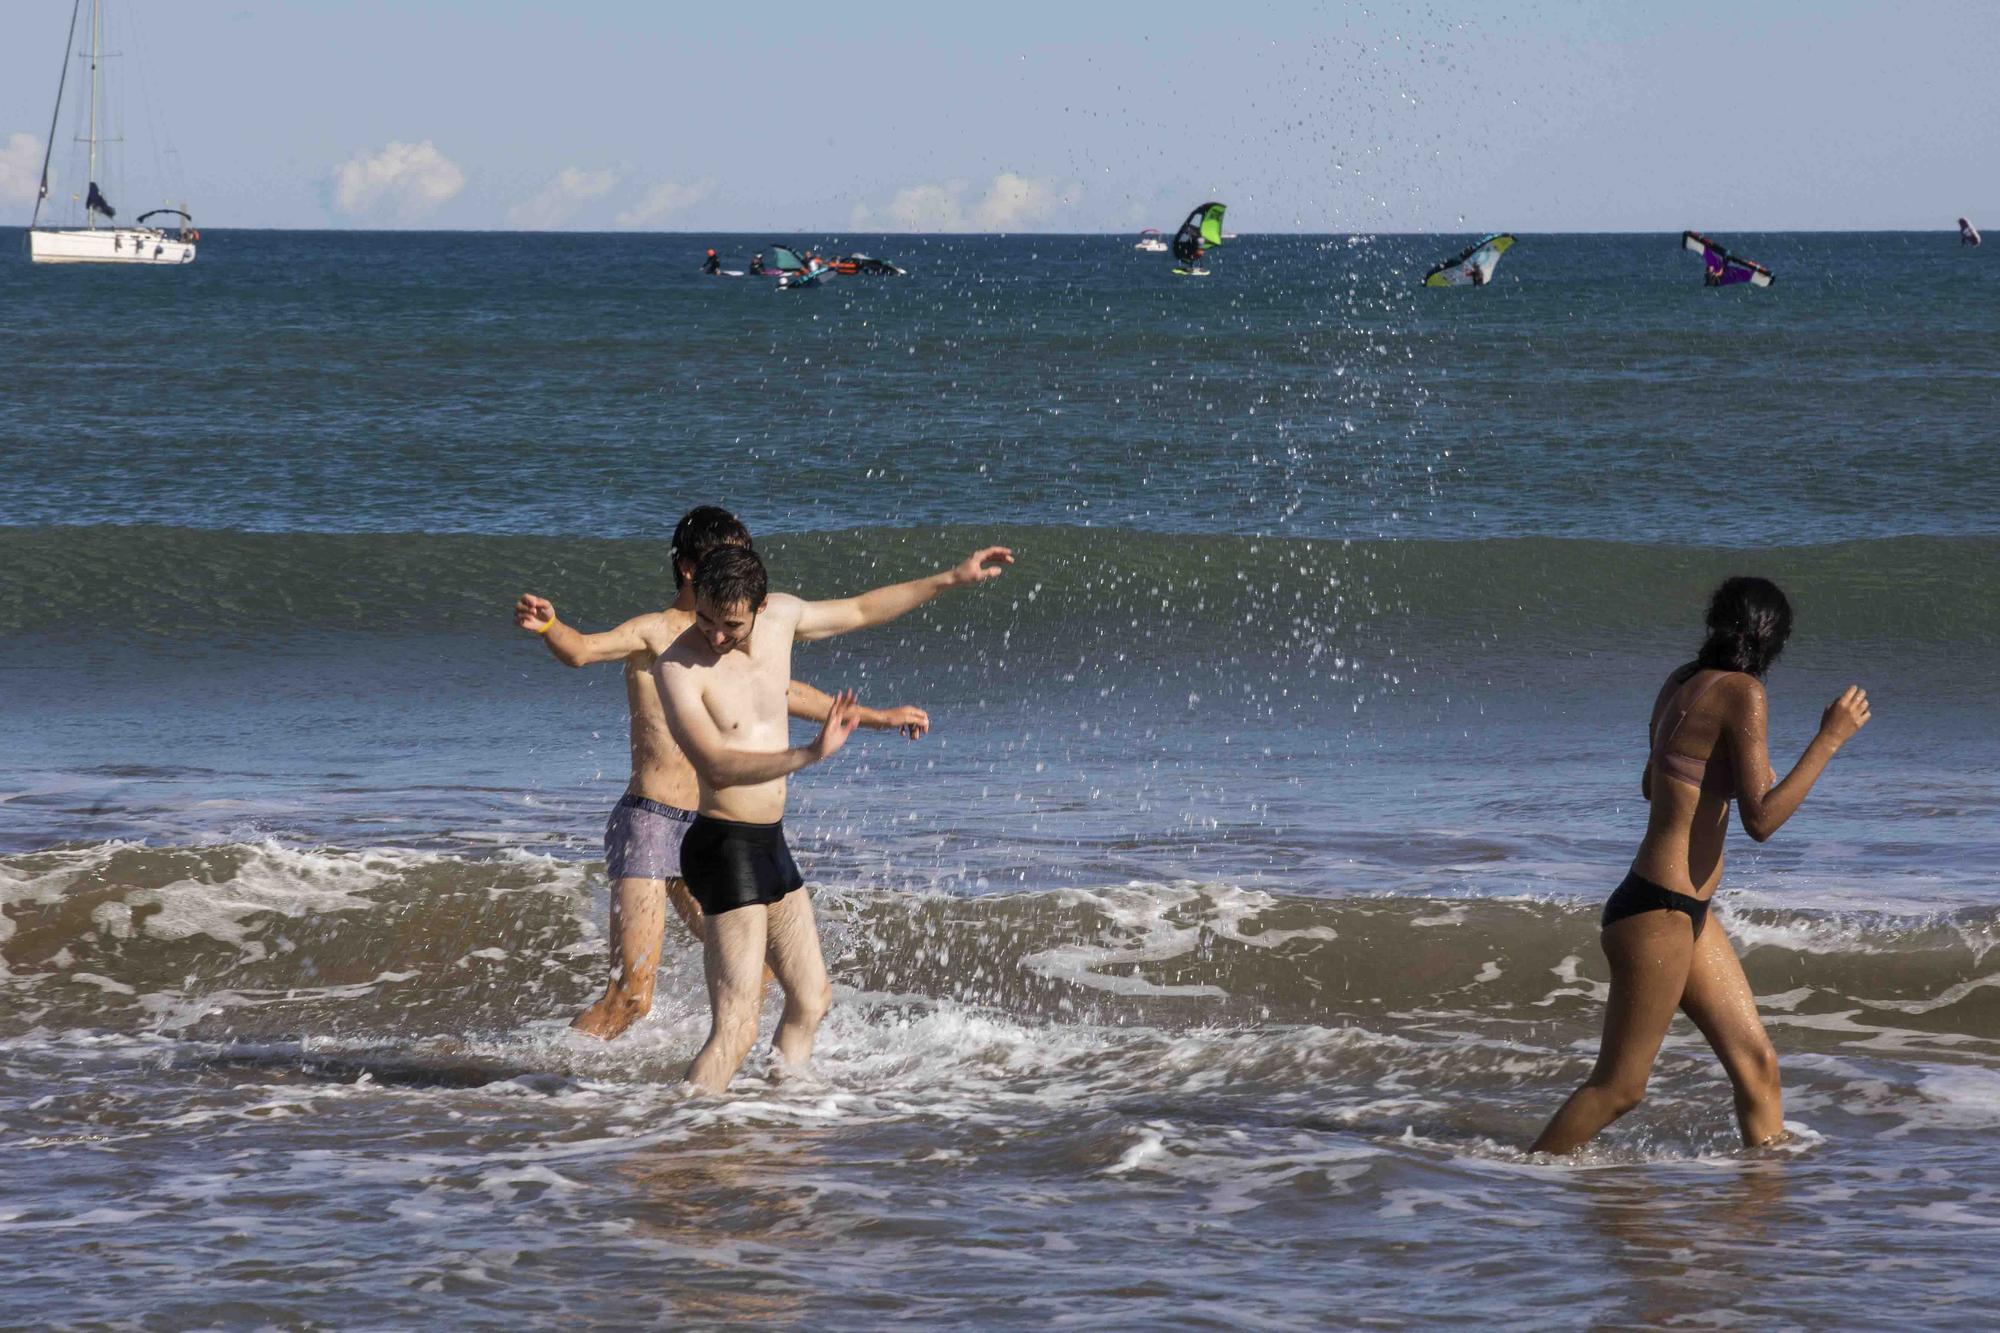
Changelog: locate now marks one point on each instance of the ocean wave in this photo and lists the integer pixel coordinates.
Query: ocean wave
(262, 941)
(1154, 592)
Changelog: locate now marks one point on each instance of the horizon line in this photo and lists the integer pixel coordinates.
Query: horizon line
(1951, 229)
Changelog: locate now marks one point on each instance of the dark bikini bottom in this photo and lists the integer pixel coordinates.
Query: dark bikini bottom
(1638, 895)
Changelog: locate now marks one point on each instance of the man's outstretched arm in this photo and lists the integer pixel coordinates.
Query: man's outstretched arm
(572, 647)
(822, 620)
(807, 704)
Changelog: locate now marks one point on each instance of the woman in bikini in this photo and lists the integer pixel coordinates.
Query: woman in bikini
(1707, 747)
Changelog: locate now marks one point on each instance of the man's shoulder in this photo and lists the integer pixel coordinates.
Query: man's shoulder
(658, 629)
(784, 604)
(779, 620)
(679, 653)
(683, 653)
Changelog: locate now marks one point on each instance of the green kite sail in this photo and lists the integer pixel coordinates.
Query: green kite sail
(1202, 231)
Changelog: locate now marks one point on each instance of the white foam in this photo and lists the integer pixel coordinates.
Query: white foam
(1151, 1142)
(1950, 995)
(1961, 1098)
(105, 984)
(1143, 912)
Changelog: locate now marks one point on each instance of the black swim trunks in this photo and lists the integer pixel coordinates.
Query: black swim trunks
(1636, 895)
(728, 865)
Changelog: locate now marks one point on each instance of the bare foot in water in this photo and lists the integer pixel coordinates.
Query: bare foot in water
(612, 1014)
(616, 1011)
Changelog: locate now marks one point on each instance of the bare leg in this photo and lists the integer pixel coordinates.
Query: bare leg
(687, 909)
(732, 956)
(1649, 955)
(691, 916)
(794, 955)
(638, 918)
(1719, 1000)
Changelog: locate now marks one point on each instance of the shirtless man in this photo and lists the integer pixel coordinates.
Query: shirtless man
(724, 687)
(642, 839)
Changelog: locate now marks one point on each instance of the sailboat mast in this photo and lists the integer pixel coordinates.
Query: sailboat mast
(55, 116)
(96, 36)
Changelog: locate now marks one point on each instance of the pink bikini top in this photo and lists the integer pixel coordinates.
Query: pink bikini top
(1714, 774)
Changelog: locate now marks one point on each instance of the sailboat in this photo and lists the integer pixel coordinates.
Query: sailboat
(101, 239)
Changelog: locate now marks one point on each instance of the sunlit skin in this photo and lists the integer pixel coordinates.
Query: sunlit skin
(1658, 965)
(725, 629)
(723, 683)
(660, 772)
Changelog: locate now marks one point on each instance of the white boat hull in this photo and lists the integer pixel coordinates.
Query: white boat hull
(108, 245)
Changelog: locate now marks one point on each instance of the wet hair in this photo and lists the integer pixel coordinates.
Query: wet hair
(1748, 623)
(701, 530)
(731, 576)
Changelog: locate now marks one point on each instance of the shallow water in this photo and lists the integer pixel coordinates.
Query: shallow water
(339, 1084)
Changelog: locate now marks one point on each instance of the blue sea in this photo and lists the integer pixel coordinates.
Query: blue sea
(1209, 964)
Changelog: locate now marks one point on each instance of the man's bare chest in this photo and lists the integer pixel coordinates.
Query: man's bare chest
(744, 695)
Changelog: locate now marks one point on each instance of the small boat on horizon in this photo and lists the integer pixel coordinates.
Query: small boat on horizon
(1150, 242)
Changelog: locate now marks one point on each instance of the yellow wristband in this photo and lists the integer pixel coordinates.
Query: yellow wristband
(546, 628)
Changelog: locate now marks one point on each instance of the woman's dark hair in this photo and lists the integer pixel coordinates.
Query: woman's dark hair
(701, 530)
(731, 576)
(1748, 623)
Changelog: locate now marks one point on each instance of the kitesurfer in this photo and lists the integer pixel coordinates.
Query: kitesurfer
(712, 266)
(757, 264)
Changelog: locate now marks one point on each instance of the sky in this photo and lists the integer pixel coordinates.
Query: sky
(602, 115)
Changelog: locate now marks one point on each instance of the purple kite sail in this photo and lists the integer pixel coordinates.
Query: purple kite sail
(1722, 269)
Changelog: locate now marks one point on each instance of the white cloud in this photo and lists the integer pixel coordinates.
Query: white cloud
(664, 200)
(558, 201)
(1011, 203)
(920, 208)
(404, 181)
(20, 169)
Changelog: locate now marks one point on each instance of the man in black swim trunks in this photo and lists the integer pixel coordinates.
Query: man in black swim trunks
(643, 837)
(723, 685)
